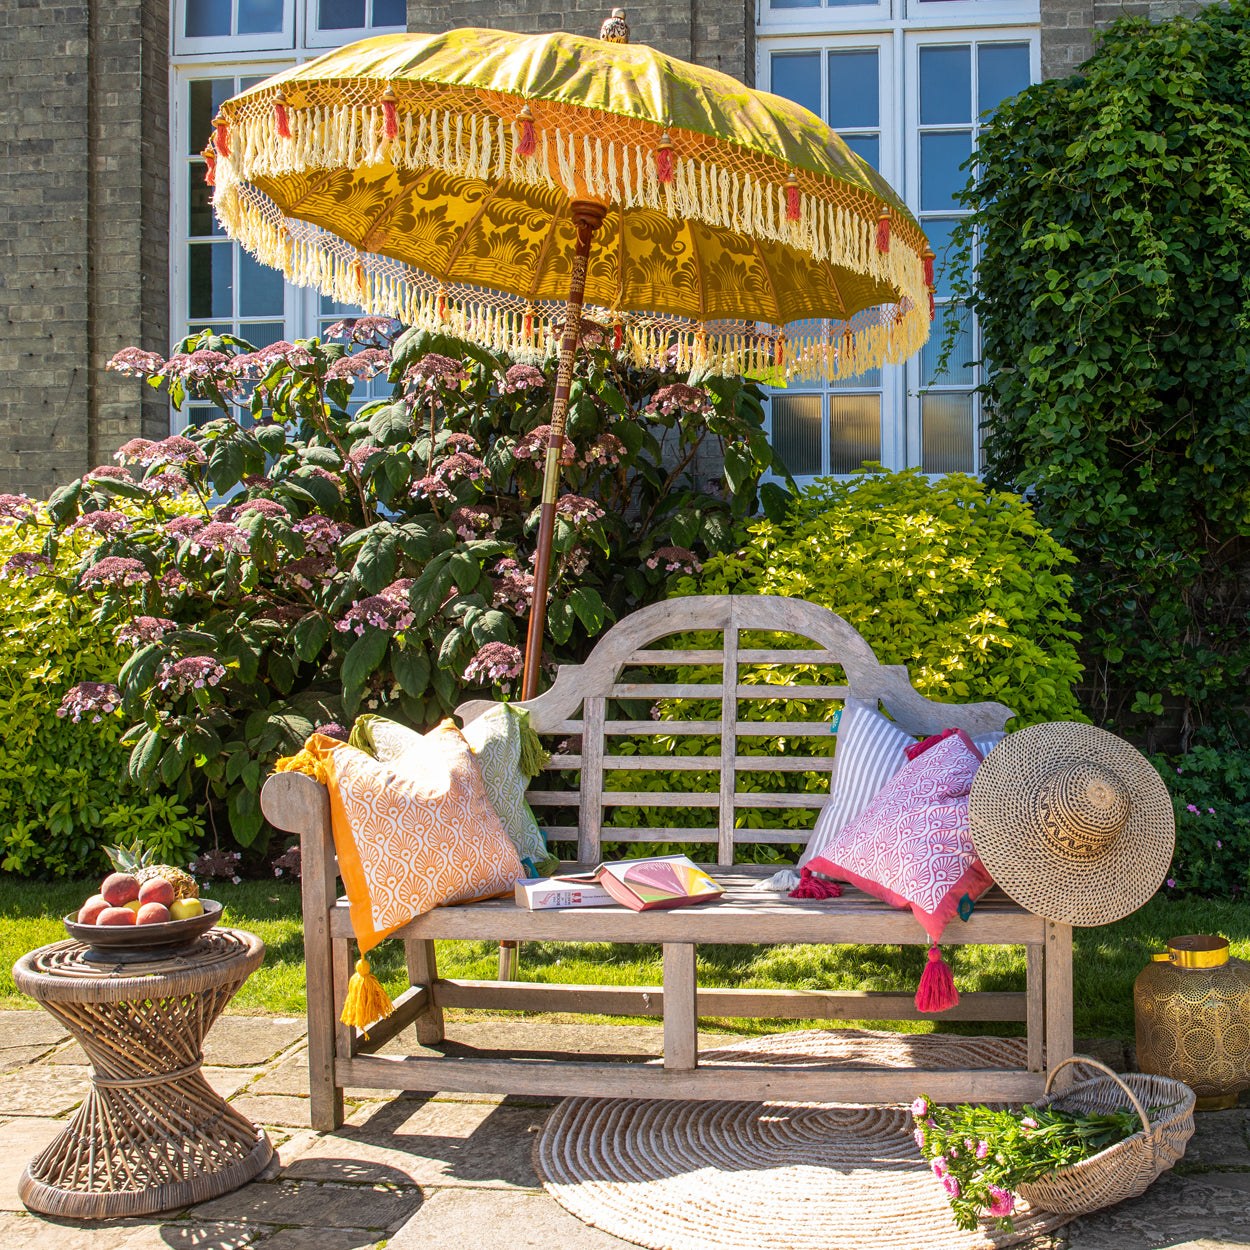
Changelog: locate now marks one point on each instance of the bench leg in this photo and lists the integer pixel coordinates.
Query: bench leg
(318, 888)
(681, 1052)
(423, 970)
(1035, 1003)
(1059, 1045)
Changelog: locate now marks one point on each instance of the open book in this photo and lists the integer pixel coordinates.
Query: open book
(640, 884)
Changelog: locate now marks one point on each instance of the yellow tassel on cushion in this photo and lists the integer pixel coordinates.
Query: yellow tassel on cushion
(304, 761)
(367, 1002)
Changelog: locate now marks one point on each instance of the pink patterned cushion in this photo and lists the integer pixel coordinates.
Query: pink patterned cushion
(910, 846)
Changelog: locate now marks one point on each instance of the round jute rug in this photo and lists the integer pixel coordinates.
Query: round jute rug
(771, 1176)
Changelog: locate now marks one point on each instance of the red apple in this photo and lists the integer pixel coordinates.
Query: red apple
(90, 911)
(119, 888)
(157, 890)
(116, 915)
(152, 913)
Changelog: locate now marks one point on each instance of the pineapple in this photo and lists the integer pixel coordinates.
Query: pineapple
(140, 864)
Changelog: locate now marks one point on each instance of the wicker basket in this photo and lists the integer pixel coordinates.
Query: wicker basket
(1130, 1166)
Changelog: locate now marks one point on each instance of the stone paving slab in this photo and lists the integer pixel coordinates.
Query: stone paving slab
(428, 1144)
(1173, 1211)
(470, 1219)
(40, 1089)
(30, 1028)
(1221, 1140)
(386, 1208)
(20, 1141)
(31, 1232)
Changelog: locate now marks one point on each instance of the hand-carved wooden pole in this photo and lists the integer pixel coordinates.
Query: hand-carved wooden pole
(587, 218)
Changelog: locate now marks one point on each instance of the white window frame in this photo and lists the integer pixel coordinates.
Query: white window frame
(317, 38)
(897, 28)
(217, 47)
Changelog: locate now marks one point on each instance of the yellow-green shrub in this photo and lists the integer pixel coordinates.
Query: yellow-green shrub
(63, 787)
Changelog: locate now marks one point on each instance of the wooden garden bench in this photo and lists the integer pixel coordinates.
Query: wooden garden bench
(588, 709)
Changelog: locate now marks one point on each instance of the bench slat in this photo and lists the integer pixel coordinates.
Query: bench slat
(655, 798)
(766, 656)
(731, 1004)
(766, 1082)
(712, 728)
(701, 763)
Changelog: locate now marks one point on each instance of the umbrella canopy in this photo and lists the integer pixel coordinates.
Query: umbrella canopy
(490, 185)
(432, 178)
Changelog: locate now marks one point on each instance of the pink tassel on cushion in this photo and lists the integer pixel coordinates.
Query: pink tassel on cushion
(814, 887)
(937, 987)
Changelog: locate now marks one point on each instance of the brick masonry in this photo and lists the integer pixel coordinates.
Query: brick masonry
(716, 33)
(84, 252)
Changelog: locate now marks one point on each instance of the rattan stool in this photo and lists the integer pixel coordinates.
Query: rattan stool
(152, 1134)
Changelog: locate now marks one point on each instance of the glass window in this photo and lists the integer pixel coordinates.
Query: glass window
(797, 421)
(942, 152)
(945, 84)
(219, 19)
(854, 94)
(335, 15)
(796, 76)
(207, 95)
(854, 430)
(959, 368)
(1002, 71)
(207, 19)
(947, 431)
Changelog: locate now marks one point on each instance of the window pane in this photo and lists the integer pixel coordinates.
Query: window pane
(202, 416)
(796, 432)
(854, 98)
(939, 231)
(869, 379)
(207, 96)
(390, 13)
(207, 18)
(796, 75)
(959, 370)
(792, 4)
(854, 431)
(340, 14)
(947, 433)
(210, 280)
(945, 85)
(941, 155)
(200, 219)
(1002, 70)
(260, 289)
(867, 146)
(260, 17)
(225, 328)
(262, 333)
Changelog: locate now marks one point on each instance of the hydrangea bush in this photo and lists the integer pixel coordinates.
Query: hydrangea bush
(338, 557)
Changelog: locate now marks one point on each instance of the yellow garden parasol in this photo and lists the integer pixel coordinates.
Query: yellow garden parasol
(492, 185)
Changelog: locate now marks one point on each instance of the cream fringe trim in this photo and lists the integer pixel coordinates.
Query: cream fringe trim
(473, 146)
(308, 256)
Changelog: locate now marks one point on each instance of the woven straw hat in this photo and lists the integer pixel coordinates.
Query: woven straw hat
(1072, 822)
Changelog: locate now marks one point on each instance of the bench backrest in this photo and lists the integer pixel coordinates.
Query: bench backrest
(589, 706)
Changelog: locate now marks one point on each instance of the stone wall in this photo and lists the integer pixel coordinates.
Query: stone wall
(84, 250)
(716, 33)
(1070, 27)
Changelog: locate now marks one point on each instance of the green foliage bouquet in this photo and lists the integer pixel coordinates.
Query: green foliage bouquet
(982, 1157)
(329, 557)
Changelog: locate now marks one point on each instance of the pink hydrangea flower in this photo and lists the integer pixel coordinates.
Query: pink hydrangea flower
(180, 526)
(133, 451)
(522, 378)
(194, 672)
(102, 523)
(115, 571)
(533, 446)
(96, 697)
(678, 397)
(109, 472)
(432, 487)
(266, 507)
(167, 482)
(17, 508)
(496, 662)
(578, 509)
(469, 523)
(360, 365)
(435, 373)
(674, 560)
(307, 572)
(363, 329)
(174, 450)
(219, 535)
(136, 363)
(321, 535)
(23, 564)
(145, 629)
(388, 610)
(607, 450)
(515, 587)
(194, 366)
(258, 363)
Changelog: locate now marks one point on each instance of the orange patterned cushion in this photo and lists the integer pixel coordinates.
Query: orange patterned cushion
(415, 832)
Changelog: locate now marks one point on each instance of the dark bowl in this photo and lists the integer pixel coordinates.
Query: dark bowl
(145, 937)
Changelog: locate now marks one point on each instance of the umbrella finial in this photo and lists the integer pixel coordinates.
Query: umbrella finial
(615, 29)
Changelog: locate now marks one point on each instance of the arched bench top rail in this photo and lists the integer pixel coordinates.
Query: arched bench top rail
(836, 641)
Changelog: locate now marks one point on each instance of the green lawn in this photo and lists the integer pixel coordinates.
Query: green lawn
(1106, 959)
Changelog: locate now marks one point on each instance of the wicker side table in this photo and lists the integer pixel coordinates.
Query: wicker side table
(152, 1134)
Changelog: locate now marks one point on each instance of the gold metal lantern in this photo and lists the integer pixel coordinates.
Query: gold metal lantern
(1192, 1004)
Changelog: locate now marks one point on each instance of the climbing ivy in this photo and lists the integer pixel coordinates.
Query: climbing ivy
(1112, 214)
